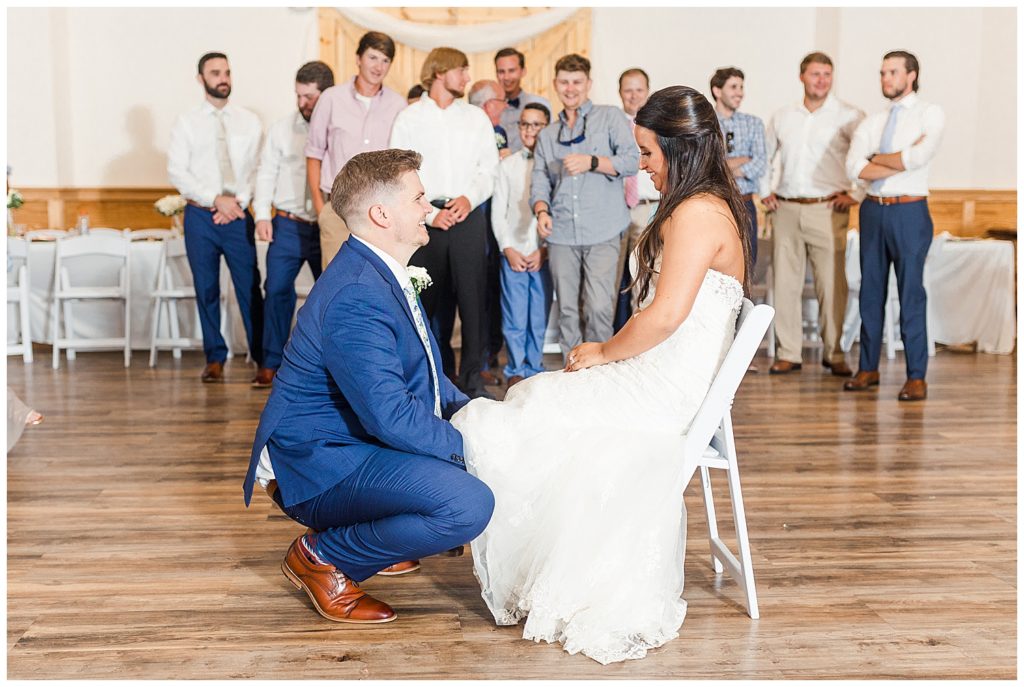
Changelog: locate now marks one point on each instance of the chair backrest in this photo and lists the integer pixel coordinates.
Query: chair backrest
(17, 248)
(45, 234)
(107, 231)
(153, 234)
(17, 252)
(751, 326)
(104, 243)
(173, 271)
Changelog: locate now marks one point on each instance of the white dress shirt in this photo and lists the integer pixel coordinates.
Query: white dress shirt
(281, 177)
(916, 118)
(808, 150)
(512, 221)
(457, 145)
(192, 164)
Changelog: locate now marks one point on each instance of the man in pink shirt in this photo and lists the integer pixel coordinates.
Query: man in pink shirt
(353, 117)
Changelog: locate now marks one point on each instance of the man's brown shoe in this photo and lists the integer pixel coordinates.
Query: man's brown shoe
(861, 381)
(781, 367)
(514, 379)
(264, 378)
(840, 369)
(400, 568)
(213, 372)
(914, 390)
(334, 596)
(490, 379)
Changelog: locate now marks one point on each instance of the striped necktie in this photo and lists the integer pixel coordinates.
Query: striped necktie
(421, 328)
(885, 146)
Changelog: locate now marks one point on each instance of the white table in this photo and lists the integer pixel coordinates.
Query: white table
(104, 319)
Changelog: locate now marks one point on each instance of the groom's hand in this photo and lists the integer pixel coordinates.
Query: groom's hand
(585, 355)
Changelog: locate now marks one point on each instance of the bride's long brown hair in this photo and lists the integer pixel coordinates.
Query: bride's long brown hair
(691, 141)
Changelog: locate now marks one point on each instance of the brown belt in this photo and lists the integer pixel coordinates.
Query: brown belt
(806, 201)
(197, 205)
(293, 217)
(896, 200)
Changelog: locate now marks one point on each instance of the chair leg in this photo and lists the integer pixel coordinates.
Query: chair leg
(69, 330)
(890, 328)
(742, 539)
(175, 329)
(55, 333)
(26, 325)
(155, 332)
(709, 509)
(127, 333)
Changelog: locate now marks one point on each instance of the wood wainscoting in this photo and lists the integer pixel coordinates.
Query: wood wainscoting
(961, 212)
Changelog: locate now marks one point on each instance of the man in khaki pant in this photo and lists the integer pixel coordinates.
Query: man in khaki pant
(811, 205)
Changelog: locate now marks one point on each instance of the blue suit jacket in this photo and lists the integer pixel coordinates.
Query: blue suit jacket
(354, 378)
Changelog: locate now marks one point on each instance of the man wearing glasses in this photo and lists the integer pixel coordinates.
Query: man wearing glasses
(744, 141)
(578, 198)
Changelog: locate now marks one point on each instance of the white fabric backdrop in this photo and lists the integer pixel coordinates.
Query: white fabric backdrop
(471, 38)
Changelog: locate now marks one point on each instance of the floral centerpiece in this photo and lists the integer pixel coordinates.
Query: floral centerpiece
(14, 201)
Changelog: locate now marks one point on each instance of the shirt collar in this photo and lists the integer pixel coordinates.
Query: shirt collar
(908, 101)
(352, 89)
(210, 109)
(831, 103)
(401, 274)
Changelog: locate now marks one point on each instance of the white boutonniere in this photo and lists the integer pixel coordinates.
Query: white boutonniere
(419, 277)
(168, 206)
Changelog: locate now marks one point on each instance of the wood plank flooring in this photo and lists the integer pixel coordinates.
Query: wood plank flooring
(883, 533)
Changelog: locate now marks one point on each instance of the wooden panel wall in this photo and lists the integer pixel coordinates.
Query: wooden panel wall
(960, 212)
(340, 37)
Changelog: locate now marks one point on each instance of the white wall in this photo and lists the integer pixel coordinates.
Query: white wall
(92, 93)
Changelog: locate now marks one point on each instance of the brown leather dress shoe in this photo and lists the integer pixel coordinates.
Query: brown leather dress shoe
(914, 390)
(264, 378)
(840, 369)
(213, 372)
(861, 381)
(514, 379)
(400, 568)
(334, 596)
(490, 379)
(781, 367)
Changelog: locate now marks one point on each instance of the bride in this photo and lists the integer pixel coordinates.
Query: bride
(588, 532)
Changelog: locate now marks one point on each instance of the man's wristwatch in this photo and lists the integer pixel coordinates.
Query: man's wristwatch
(545, 210)
(594, 162)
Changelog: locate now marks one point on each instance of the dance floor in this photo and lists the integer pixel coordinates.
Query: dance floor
(883, 535)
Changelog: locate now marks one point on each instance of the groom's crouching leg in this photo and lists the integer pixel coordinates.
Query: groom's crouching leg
(464, 516)
(333, 594)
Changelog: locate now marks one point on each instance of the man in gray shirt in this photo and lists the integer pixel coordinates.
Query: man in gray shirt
(578, 197)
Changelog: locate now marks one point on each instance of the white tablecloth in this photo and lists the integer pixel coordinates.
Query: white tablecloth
(105, 319)
(970, 287)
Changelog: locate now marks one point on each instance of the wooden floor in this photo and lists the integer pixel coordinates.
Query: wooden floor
(884, 541)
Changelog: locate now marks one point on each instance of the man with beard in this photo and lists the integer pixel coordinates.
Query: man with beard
(211, 160)
(510, 68)
(892, 150)
(460, 161)
(293, 232)
(353, 117)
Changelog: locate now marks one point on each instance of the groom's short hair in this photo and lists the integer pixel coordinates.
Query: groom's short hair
(367, 177)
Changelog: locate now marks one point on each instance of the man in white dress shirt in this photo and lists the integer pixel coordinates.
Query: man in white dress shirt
(525, 279)
(892, 150)
(292, 230)
(460, 161)
(807, 143)
(211, 160)
(641, 197)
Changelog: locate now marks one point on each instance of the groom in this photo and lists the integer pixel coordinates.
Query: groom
(354, 441)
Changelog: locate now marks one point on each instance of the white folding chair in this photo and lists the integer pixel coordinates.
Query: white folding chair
(108, 231)
(46, 234)
(17, 294)
(113, 245)
(710, 444)
(169, 291)
(153, 234)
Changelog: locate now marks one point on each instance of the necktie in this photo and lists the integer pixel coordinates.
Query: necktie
(514, 102)
(885, 146)
(632, 191)
(421, 328)
(227, 174)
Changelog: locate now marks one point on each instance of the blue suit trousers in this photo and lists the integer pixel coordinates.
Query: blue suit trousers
(205, 242)
(394, 507)
(294, 243)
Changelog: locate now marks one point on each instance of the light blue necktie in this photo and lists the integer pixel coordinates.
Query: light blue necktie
(421, 328)
(885, 146)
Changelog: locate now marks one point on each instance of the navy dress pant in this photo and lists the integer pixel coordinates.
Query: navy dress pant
(294, 243)
(395, 507)
(205, 242)
(897, 235)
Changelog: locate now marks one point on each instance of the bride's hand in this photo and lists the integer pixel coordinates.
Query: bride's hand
(585, 355)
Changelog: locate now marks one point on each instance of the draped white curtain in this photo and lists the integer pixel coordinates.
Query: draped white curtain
(470, 38)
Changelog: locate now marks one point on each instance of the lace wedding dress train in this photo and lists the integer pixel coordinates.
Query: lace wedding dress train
(588, 532)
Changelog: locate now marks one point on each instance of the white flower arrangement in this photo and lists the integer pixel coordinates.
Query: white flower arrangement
(420, 278)
(14, 200)
(169, 206)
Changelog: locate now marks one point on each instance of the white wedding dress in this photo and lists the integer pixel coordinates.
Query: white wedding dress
(588, 532)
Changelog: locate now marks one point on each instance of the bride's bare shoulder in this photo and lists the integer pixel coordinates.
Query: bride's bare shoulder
(700, 213)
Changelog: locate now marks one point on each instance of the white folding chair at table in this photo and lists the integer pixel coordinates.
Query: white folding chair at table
(171, 288)
(109, 246)
(710, 445)
(18, 294)
(153, 234)
(46, 234)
